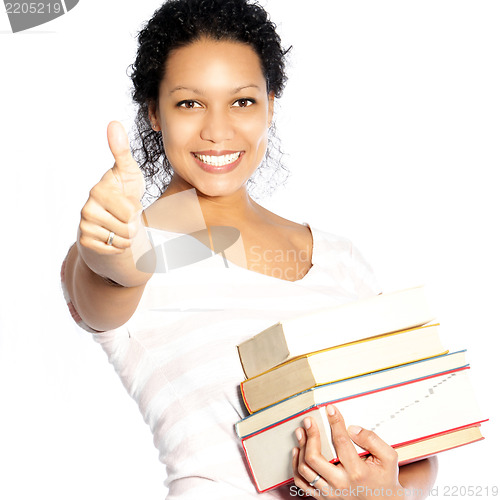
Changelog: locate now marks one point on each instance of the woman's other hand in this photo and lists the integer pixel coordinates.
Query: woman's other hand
(353, 477)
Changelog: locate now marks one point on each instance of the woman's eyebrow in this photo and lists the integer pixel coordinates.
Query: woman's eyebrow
(180, 87)
(199, 92)
(251, 85)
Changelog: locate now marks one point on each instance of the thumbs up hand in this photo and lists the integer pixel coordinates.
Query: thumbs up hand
(110, 218)
(110, 232)
(125, 169)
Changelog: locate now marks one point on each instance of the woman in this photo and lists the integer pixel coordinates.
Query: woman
(170, 291)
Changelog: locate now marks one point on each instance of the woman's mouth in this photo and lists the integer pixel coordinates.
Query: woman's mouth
(219, 163)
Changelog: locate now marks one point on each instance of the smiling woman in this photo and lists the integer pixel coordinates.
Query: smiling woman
(205, 79)
(244, 23)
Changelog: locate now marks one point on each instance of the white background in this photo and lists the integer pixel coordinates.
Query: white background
(391, 121)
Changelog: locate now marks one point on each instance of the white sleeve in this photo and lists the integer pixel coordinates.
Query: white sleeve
(364, 279)
(344, 264)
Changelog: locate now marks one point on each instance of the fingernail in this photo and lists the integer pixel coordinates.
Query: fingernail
(355, 429)
(294, 452)
(298, 434)
(307, 423)
(330, 409)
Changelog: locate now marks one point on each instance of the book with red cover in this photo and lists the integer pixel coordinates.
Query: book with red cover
(401, 414)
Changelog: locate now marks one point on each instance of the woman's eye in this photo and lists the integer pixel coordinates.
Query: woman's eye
(243, 103)
(188, 104)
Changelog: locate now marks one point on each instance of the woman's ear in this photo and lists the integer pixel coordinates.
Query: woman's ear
(270, 108)
(154, 116)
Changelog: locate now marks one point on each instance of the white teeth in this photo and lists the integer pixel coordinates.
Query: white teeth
(218, 161)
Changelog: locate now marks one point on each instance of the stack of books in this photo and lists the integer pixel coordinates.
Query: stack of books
(379, 360)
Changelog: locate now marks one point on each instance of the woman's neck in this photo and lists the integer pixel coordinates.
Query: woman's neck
(236, 209)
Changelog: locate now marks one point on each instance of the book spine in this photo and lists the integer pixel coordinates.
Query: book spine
(243, 395)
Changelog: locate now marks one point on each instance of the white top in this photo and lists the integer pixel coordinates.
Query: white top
(177, 355)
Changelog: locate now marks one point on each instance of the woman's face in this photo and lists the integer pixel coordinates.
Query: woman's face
(214, 113)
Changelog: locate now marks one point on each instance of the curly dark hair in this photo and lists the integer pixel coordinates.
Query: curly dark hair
(178, 23)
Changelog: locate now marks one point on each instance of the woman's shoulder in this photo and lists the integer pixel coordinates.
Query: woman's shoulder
(299, 234)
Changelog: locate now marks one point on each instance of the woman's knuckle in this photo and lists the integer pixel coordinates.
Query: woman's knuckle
(393, 455)
(335, 419)
(357, 475)
(84, 212)
(303, 469)
(85, 241)
(312, 459)
(95, 191)
(370, 437)
(342, 440)
(84, 225)
(309, 459)
(342, 486)
(126, 243)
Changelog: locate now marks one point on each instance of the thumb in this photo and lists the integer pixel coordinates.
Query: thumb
(125, 168)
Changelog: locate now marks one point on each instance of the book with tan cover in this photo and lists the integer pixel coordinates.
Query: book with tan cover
(333, 326)
(339, 363)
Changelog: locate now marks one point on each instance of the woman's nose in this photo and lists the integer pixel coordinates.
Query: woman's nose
(217, 127)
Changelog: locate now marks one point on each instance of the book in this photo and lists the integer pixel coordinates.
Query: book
(400, 415)
(335, 391)
(338, 363)
(418, 450)
(338, 325)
